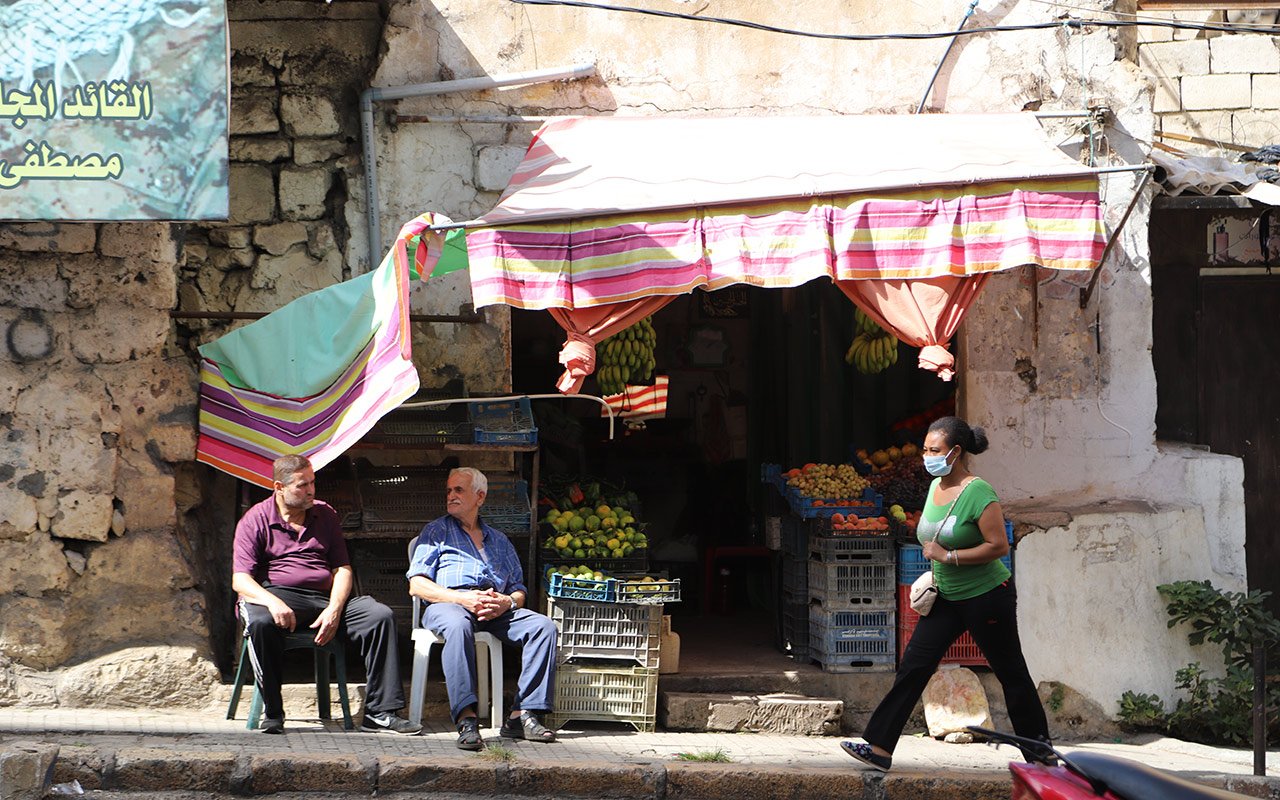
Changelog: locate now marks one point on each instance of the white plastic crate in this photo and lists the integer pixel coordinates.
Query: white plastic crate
(606, 693)
(829, 549)
(853, 584)
(852, 640)
(628, 633)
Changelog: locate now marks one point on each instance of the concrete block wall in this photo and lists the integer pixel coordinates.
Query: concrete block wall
(1213, 85)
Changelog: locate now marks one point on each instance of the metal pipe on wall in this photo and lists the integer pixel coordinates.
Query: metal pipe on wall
(376, 94)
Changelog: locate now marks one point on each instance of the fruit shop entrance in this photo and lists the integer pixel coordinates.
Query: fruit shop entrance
(756, 376)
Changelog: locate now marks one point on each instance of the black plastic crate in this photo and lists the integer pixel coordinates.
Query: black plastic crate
(399, 501)
(442, 424)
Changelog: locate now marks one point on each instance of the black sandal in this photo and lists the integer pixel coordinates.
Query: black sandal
(866, 755)
(469, 734)
(527, 727)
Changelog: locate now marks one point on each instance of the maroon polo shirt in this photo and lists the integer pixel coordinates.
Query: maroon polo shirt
(270, 550)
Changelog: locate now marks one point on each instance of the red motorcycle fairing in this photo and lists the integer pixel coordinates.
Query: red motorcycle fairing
(1038, 782)
(1124, 779)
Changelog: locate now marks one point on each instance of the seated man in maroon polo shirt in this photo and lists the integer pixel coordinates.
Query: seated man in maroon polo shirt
(291, 570)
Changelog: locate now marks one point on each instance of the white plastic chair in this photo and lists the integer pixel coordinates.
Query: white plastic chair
(488, 666)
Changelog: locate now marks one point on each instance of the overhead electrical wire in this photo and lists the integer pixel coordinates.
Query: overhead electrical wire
(1068, 22)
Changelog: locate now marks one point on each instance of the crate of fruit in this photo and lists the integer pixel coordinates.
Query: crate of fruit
(869, 504)
(606, 631)
(581, 587)
(648, 590)
(852, 525)
(831, 549)
(503, 422)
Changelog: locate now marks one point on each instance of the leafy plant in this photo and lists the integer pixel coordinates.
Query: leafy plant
(1212, 710)
(716, 756)
(1142, 712)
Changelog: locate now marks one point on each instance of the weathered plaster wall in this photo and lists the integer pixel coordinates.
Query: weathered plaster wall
(1069, 394)
(1086, 582)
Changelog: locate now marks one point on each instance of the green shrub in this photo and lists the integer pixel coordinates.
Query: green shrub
(1213, 710)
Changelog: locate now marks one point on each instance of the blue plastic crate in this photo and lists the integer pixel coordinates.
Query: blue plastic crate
(801, 506)
(506, 505)
(911, 560)
(839, 635)
(571, 588)
(503, 422)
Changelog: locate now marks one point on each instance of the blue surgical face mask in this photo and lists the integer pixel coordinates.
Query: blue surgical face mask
(937, 466)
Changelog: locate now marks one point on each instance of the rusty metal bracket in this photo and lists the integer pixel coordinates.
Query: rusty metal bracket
(1087, 293)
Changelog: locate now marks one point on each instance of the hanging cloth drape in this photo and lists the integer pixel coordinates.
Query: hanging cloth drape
(314, 376)
(924, 313)
(584, 327)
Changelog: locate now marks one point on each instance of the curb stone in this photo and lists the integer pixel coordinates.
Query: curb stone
(26, 770)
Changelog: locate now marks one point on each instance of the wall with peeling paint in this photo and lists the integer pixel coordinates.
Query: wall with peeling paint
(1068, 394)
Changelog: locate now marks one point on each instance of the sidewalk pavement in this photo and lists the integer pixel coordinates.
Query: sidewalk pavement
(201, 752)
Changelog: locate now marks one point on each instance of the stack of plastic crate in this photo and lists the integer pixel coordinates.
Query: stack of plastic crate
(795, 586)
(607, 662)
(851, 616)
(911, 563)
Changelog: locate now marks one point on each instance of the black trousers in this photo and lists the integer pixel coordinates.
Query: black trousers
(365, 621)
(992, 619)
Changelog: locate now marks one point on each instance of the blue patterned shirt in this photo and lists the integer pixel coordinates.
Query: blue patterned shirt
(445, 554)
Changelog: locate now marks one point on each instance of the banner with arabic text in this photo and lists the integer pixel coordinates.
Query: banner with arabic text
(113, 110)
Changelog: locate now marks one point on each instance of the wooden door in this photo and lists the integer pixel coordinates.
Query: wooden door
(1239, 384)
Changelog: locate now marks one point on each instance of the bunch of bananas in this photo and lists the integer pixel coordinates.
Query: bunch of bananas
(874, 349)
(625, 356)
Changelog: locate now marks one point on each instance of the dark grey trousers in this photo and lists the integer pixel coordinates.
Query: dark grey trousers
(365, 621)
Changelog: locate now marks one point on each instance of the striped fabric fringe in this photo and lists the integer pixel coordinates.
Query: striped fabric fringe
(925, 233)
(242, 430)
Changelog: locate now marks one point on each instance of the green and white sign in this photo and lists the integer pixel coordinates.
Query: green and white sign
(113, 110)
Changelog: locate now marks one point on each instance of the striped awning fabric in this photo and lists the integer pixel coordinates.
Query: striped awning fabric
(243, 428)
(607, 209)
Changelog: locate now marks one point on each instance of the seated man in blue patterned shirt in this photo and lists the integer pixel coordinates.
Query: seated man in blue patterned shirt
(470, 576)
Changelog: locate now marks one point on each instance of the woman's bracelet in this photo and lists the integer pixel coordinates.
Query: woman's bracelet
(953, 557)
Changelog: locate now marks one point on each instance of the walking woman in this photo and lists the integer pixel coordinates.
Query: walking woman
(962, 530)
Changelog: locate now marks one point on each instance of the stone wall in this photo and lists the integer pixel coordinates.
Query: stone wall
(115, 544)
(96, 410)
(1213, 85)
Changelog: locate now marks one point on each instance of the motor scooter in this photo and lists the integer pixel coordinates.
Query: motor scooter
(1053, 775)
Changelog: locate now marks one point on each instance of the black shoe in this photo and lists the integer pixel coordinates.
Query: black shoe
(272, 725)
(389, 723)
(526, 726)
(863, 753)
(469, 734)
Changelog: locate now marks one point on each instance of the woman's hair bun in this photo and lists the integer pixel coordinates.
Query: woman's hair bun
(978, 441)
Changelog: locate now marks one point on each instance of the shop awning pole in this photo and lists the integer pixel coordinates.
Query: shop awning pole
(1087, 292)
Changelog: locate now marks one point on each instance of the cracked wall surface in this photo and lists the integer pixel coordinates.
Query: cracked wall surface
(97, 401)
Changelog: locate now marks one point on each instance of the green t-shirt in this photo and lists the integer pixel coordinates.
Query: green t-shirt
(960, 531)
